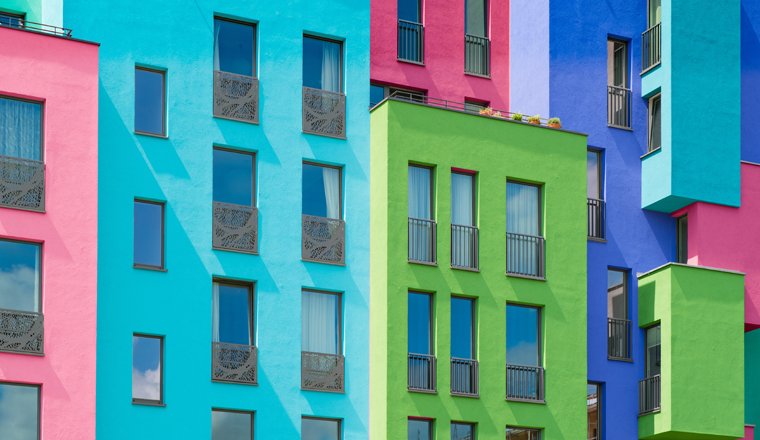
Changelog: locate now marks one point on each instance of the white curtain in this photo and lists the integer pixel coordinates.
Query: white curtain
(319, 322)
(461, 199)
(217, 27)
(419, 193)
(331, 66)
(20, 127)
(37, 280)
(331, 180)
(215, 314)
(522, 209)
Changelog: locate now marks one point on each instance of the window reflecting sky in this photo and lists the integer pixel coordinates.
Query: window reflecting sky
(419, 323)
(376, 94)
(146, 368)
(19, 276)
(409, 10)
(233, 47)
(418, 429)
(148, 239)
(19, 406)
(321, 64)
(461, 431)
(522, 335)
(234, 314)
(226, 425)
(233, 177)
(321, 191)
(319, 429)
(461, 328)
(149, 101)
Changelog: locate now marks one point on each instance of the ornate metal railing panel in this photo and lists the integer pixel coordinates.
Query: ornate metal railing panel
(422, 240)
(525, 383)
(651, 47)
(525, 255)
(618, 338)
(22, 183)
(411, 38)
(464, 246)
(236, 227)
(324, 112)
(618, 107)
(21, 332)
(236, 96)
(322, 372)
(649, 394)
(233, 363)
(464, 377)
(323, 240)
(597, 218)
(421, 374)
(477, 55)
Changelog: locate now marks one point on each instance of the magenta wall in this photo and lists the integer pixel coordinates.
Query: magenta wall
(443, 75)
(749, 433)
(64, 75)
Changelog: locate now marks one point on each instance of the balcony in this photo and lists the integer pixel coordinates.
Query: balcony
(20, 23)
(22, 183)
(477, 55)
(233, 363)
(618, 107)
(422, 238)
(324, 113)
(323, 240)
(649, 395)
(525, 255)
(235, 228)
(421, 373)
(597, 219)
(322, 372)
(525, 383)
(651, 47)
(464, 377)
(236, 97)
(618, 339)
(411, 38)
(21, 332)
(464, 247)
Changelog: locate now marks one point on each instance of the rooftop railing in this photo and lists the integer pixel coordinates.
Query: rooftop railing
(597, 218)
(526, 255)
(618, 338)
(464, 247)
(323, 240)
(421, 374)
(422, 238)
(22, 183)
(324, 113)
(651, 47)
(411, 41)
(649, 395)
(525, 383)
(322, 372)
(21, 332)
(233, 363)
(236, 97)
(618, 107)
(235, 227)
(20, 23)
(477, 55)
(464, 377)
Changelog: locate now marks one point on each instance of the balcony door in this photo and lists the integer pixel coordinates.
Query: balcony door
(524, 372)
(232, 307)
(618, 90)
(655, 123)
(321, 191)
(420, 209)
(234, 47)
(653, 353)
(464, 367)
(682, 239)
(464, 234)
(322, 64)
(524, 241)
(654, 15)
(617, 315)
(20, 129)
(421, 367)
(320, 322)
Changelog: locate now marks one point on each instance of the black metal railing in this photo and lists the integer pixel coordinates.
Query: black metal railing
(649, 395)
(233, 363)
(21, 332)
(525, 255)
(322, 372)
(651, 47)
(235, 227)
(324, 113)
(421, 372)
(525, 383)
(323, 239)
(618, 107)
(597, 218)
(464, 246)
(411, 41)
(20, 23)
(236, 96)
(477, 55)
(422, 240)
(464, 377)
(618, 338)
(22, 183)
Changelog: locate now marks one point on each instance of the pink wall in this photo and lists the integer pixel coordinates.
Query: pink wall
(63, 74)
(442, 76)
(724, 237)
(749, 432)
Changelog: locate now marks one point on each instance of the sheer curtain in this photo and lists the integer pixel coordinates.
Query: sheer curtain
(419, 193)
(331, 66)
(319, 322)
(20, 126)
(461, 199)
(331, 178)
(522, 209)
(215, 314)
(217, 27)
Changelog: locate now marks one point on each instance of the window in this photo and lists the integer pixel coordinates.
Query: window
(234, 47)
(593, 408)
(523, 433)
(682, 239)
(378, 92)
(594, 174)
(595, 205)
(20, 128)
(320, 322)
(524, 371)
(313, 428)
(419, 429)
(653, 352)
(321, 191)
(410, 10)
(20, 276)
(149, 235)
(233, 313)
(322, 64)
(14, 20)
(476, 43)
(464, 234)
(618, 344)
(234, 177)
(618, 90)
(462, 431)
(231, 425)
(150, 101)
(421, 360)
(147, 369)
(655, 12)
(474, 106)
(410, 31)
(525, 246)
(421, 224)
(462, 328)
(20, 415)
(655, 124)
(476, 18)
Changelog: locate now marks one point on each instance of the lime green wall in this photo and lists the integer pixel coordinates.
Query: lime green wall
(701, 313)
(498, 150)
(32, 8)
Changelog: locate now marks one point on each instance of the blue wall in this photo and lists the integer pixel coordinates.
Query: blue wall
(750, 80)
(178, 37)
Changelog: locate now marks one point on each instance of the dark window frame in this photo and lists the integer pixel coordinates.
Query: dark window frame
(625, 291)
(163, 101)
(626, 62)
(650, 110)
(474, 194)
(539, 321)
(162, 267)
(253, 169)
(159, 402)
(539, 196)
(649, 15)
(431, 425)
(42, 120)
(254, 68)
(340, 423)
(340, 314)
(599, 171)
(340, 64)
(251, 413)
(646, 351)
(432, 320)
(487, 16)
(680, 258)
(432, 188)
(251, 286)
(471, 425)
(536, 430)
(599, 407)
(340, 180)
(419, 12)
(388, 90)
(20, 17)
(39, 263)
(473, 326)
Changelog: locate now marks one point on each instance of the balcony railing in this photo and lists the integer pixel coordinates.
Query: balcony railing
(477, 55)
(618, 107)
(649, 395)
(618, 338)
(597, 218)
(322, 372)
(525, 255)
(422, 238)
(651, 47)
(324, 113)
(323, 240)
(233, 363)
(421, 373)
(22, 183)
(20, 23)
(235, 227)
(236, 97)
(411, 39)
(464, 377)
(525, 383)
(464, 247)
(21, 332)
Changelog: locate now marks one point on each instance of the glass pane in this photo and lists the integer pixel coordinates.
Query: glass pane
(419, 323)
(149, 101)
(232, 314)
(321, 64)
(461, 431)
(461, 328)
(653, 352)
(655, 12)
(320, 429)
(233, 177)
(655, 128)
(522, 336)
(20, 129)
(418, 429)
(617, 296)
(592, 175)
(473, 107)
(148, 234)
(10, 20)
(621, 65)
(226, 425)
(19, 276)
(523, 434)
(320, 322)
(19, 412)
(593, 400)
(233, 47)
(409, 10)
(146, 368)
(461, 199)
(376, 94)
(476, 22)
(522, 208)
(321, 191)
(419, 193)
(683, 239)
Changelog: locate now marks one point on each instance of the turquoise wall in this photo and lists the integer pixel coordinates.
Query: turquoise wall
(178, 37)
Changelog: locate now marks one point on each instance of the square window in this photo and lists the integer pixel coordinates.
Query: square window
(233, 313)
(20, 415)
(462, 431)
(20, 128)
(321, 188)
(419, 429)
(313, 428)
(234, 177)
(149, 235)
(234, 47)
(150, 101)
(231, 425)
(147, 369)
(322, 64)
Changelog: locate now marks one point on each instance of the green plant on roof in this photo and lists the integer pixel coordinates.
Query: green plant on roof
(554, 121)
(535, 119)
(517, 116)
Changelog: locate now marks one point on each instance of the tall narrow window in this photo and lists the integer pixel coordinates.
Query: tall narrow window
(653, 353)
(13, 20)
(322, 366)
(464, 233)
(323, 103)
(322, 64)
(231, 425)
(20, 416)
(462, 431)
(525, 377)
(523, 433)
(618, 90)
(149, 235)
(593, 174)
(147, 369)
(651, 40)
(323, 234)
(313, 428)
(655, 124)
(235, 215)
(22, 181)
(477, 45)
(410, 31)
(233, 341)
(593, 408)
(525, 245)
(619, 325)
(421, 368)
(150, 101)
(655, 12)
(236, 89)
(595, 203)
(650, 387)
(682, 225)
(464, 367)
(421, 224)
(419, 429)
(377, 93)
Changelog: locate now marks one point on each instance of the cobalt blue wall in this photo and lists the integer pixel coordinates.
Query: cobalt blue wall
(750, 24)
(178, 37)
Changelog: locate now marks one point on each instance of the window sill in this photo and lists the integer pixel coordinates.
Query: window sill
(478, 75)
(471, 396)
(322, 262)
(154, 268)
(145, 133)
(19, 208)
(466, 269)
(612, 358)
(417, 63)
(651, 153)
(620, 127)
(235, 119)
(422, 391)
(27, 353)
(527, 277)
(148, 403)
(598, 240)
(234, 382)
(540, 402)
(323, 391)
(423, 263)
(237, 251)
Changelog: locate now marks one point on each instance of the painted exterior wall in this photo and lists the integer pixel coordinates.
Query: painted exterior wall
(750, 79)
(178, 170)
(501, 150)
(38, 11)
(443, 75)
(64, 75)
(751, 378)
